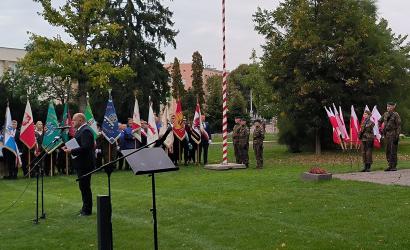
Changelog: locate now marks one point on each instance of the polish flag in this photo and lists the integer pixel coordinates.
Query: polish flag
(354, 127)
(375, 118)
(27, 134)
(333, 122)
(341, 123)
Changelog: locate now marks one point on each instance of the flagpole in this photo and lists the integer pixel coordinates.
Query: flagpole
(29, 164)
(51, 164)
(66, 163)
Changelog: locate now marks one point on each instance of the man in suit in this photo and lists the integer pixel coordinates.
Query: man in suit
(205, 140)
(83, 160)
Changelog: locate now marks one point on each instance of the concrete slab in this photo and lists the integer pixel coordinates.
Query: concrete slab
(400, 177)
(221, 166)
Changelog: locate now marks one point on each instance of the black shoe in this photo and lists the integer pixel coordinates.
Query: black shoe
(393, 169)
(82, 213)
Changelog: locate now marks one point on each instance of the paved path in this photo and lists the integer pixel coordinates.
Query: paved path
(400, 177)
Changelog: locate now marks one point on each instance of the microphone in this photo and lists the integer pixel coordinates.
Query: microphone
(162, 139)
(63, 127)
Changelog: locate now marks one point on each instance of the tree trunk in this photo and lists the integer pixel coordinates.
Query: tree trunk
(318, 148)
(82, 94)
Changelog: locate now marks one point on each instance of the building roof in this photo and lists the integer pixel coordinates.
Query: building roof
(11, 54)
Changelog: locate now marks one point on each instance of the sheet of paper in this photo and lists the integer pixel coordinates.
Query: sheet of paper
(72, 144)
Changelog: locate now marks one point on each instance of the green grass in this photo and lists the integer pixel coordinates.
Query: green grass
(201, 209)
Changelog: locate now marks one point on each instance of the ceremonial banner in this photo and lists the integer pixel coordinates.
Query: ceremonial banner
(89, 117)
(136, 122)
(178, 128)
(196, 125)
(50, 131)
(9, 140)
(66, 121)
(110, 124)
(152, 132)
(164, 120)
(27, 134)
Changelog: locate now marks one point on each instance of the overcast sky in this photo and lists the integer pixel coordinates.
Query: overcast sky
(198, 21)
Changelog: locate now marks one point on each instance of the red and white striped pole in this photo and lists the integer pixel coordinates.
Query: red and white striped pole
(224, 94)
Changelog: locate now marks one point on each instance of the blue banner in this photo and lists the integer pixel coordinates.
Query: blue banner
(110, 124)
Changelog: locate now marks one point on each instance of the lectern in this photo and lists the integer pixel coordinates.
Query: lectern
(150, 161)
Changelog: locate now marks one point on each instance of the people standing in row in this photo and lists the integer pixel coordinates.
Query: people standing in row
(391, 132)
(366, 136)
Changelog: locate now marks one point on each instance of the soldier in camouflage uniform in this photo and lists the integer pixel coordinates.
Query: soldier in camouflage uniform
(391, 131)
(367, 137)
(244, 143)
(258, 137)
(235, 138)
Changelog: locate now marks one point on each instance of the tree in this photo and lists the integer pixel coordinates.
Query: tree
(236, 103)
(178, 89)
(84, 60)
(249, 77)
(328, 51)
(144, 26)
(197, 80)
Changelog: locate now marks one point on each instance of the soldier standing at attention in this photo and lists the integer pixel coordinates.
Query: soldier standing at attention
(244, 143)
(391, 132)
(235, 138)
(258, 137)
(367, 137)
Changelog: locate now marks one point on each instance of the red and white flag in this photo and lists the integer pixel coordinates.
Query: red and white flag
(169, 141)
(333, 122)
(196, 125)
(375, 118)
(152, 132)
(136, 121)
(354, 127)
(341, 123)
(365, 109)
(27, 134)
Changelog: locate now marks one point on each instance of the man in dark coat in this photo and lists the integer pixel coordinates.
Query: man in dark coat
(83, 160)
(206, 139)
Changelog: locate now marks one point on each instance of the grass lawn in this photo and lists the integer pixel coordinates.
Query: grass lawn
(202, 209)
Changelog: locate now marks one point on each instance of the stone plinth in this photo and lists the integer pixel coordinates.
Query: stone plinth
(221, 166)
(316, 177)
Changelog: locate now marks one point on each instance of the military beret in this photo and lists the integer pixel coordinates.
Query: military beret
(257, 120)
(391, 104)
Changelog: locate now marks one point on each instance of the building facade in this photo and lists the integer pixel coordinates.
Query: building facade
(9, 58)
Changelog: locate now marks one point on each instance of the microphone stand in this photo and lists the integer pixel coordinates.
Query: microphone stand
(108, 167)
(40, 171)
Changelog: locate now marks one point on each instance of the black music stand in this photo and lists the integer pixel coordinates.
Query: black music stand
(150, 161)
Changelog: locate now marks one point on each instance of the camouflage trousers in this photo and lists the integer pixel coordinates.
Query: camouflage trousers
(237, 154)
(367, 149)
(391, 150)
(258, 148)
(243, 153)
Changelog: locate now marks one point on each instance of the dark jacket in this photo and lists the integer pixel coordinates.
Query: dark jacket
(205, 140)
(127, 140)
(84, 156)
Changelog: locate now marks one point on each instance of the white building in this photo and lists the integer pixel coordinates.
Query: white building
(9, 58)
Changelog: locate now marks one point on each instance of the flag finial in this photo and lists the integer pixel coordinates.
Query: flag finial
(109, 94)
